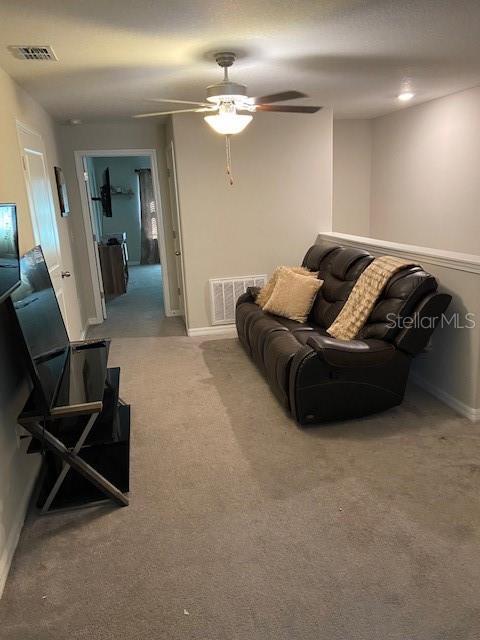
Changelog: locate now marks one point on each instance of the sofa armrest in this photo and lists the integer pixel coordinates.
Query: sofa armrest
(417, 330)
(250, 295)
(351, 353)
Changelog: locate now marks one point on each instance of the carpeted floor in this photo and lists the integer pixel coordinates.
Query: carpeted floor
(139, 312)
(243, 526)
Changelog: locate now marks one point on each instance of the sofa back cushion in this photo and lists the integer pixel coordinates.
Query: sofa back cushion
(401, 295)
(339, 268)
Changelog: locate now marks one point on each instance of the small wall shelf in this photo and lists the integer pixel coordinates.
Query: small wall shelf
(122, 191)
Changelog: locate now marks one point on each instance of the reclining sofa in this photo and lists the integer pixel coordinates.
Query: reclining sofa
(318, 378)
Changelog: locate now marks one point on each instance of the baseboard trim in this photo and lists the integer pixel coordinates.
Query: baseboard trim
(15, 531)
(224, 329)
(89, 323)
(454, 403)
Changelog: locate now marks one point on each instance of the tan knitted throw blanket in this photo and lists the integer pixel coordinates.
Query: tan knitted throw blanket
(364, 296)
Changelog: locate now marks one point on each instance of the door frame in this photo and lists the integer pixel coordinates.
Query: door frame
(96, 255)
(87, 222)
(170, 147)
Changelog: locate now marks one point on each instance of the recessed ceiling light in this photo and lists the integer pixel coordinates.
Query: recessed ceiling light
(75, 121)
(405, 96)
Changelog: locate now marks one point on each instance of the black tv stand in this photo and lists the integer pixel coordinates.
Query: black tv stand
(86, 447)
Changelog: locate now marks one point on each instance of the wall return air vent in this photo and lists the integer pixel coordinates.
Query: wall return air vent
(33, 52)
(224, 293)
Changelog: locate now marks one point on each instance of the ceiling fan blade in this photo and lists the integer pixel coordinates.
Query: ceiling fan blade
(285, 108)
(277, 97)
(170, 113)
(202, 104)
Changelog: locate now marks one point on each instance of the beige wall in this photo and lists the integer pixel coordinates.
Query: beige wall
(423, 184)
(425, 174)
(352, 163)
(282, 196)
(17, 471)
(112, 136)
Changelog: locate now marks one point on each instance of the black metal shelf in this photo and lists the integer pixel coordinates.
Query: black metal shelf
(86, 456)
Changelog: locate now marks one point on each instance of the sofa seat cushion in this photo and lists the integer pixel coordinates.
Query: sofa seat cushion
(258, 330)
(245, 314)
(245, 310)
(279, 350)
(292, 325)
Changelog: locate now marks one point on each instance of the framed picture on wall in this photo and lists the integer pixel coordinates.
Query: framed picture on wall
(62, 192)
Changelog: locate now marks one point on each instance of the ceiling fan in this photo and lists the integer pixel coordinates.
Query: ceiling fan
(228, 109)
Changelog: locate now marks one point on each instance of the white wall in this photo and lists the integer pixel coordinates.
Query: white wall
(425, 174)
(282, 196)
(112, 136)
(18, 471)
(352, 163)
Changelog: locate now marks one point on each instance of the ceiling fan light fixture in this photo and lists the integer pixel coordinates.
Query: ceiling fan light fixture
(227, 123)
(228, 97)
(223, 101)
(226, 91)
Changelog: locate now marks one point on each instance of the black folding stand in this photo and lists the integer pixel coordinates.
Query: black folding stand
(86, 448)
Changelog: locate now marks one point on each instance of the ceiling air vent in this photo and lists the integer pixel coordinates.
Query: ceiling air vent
(33, 52)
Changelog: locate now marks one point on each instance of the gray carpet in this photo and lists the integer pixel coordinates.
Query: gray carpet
(140, 312)
(243, 526)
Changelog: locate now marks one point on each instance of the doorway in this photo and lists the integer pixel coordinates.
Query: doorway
(123, 221)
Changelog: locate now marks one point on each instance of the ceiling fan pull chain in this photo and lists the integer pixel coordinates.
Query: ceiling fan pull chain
(229, 159)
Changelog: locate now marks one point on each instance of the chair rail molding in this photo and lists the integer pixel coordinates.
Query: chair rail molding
(451, 259)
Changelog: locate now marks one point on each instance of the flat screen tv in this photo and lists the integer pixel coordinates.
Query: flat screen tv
(9, 257)
(41, 324)
(106, 194)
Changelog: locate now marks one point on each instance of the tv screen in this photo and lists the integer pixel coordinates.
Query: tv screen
(41, 323)
(106, 194)
(9, 258)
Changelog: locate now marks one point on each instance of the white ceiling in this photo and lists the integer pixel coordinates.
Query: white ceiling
(352, 55)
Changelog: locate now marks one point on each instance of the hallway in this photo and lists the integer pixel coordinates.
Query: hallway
(139, 313)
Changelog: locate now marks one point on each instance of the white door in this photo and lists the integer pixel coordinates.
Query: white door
(96, 231)
(44, 222)
(175, 213)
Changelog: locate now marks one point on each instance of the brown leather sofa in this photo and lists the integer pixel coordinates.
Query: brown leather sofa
(319, 378)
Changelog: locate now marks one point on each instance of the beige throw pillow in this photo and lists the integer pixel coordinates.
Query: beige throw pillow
(293, 295)
(266, 291)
